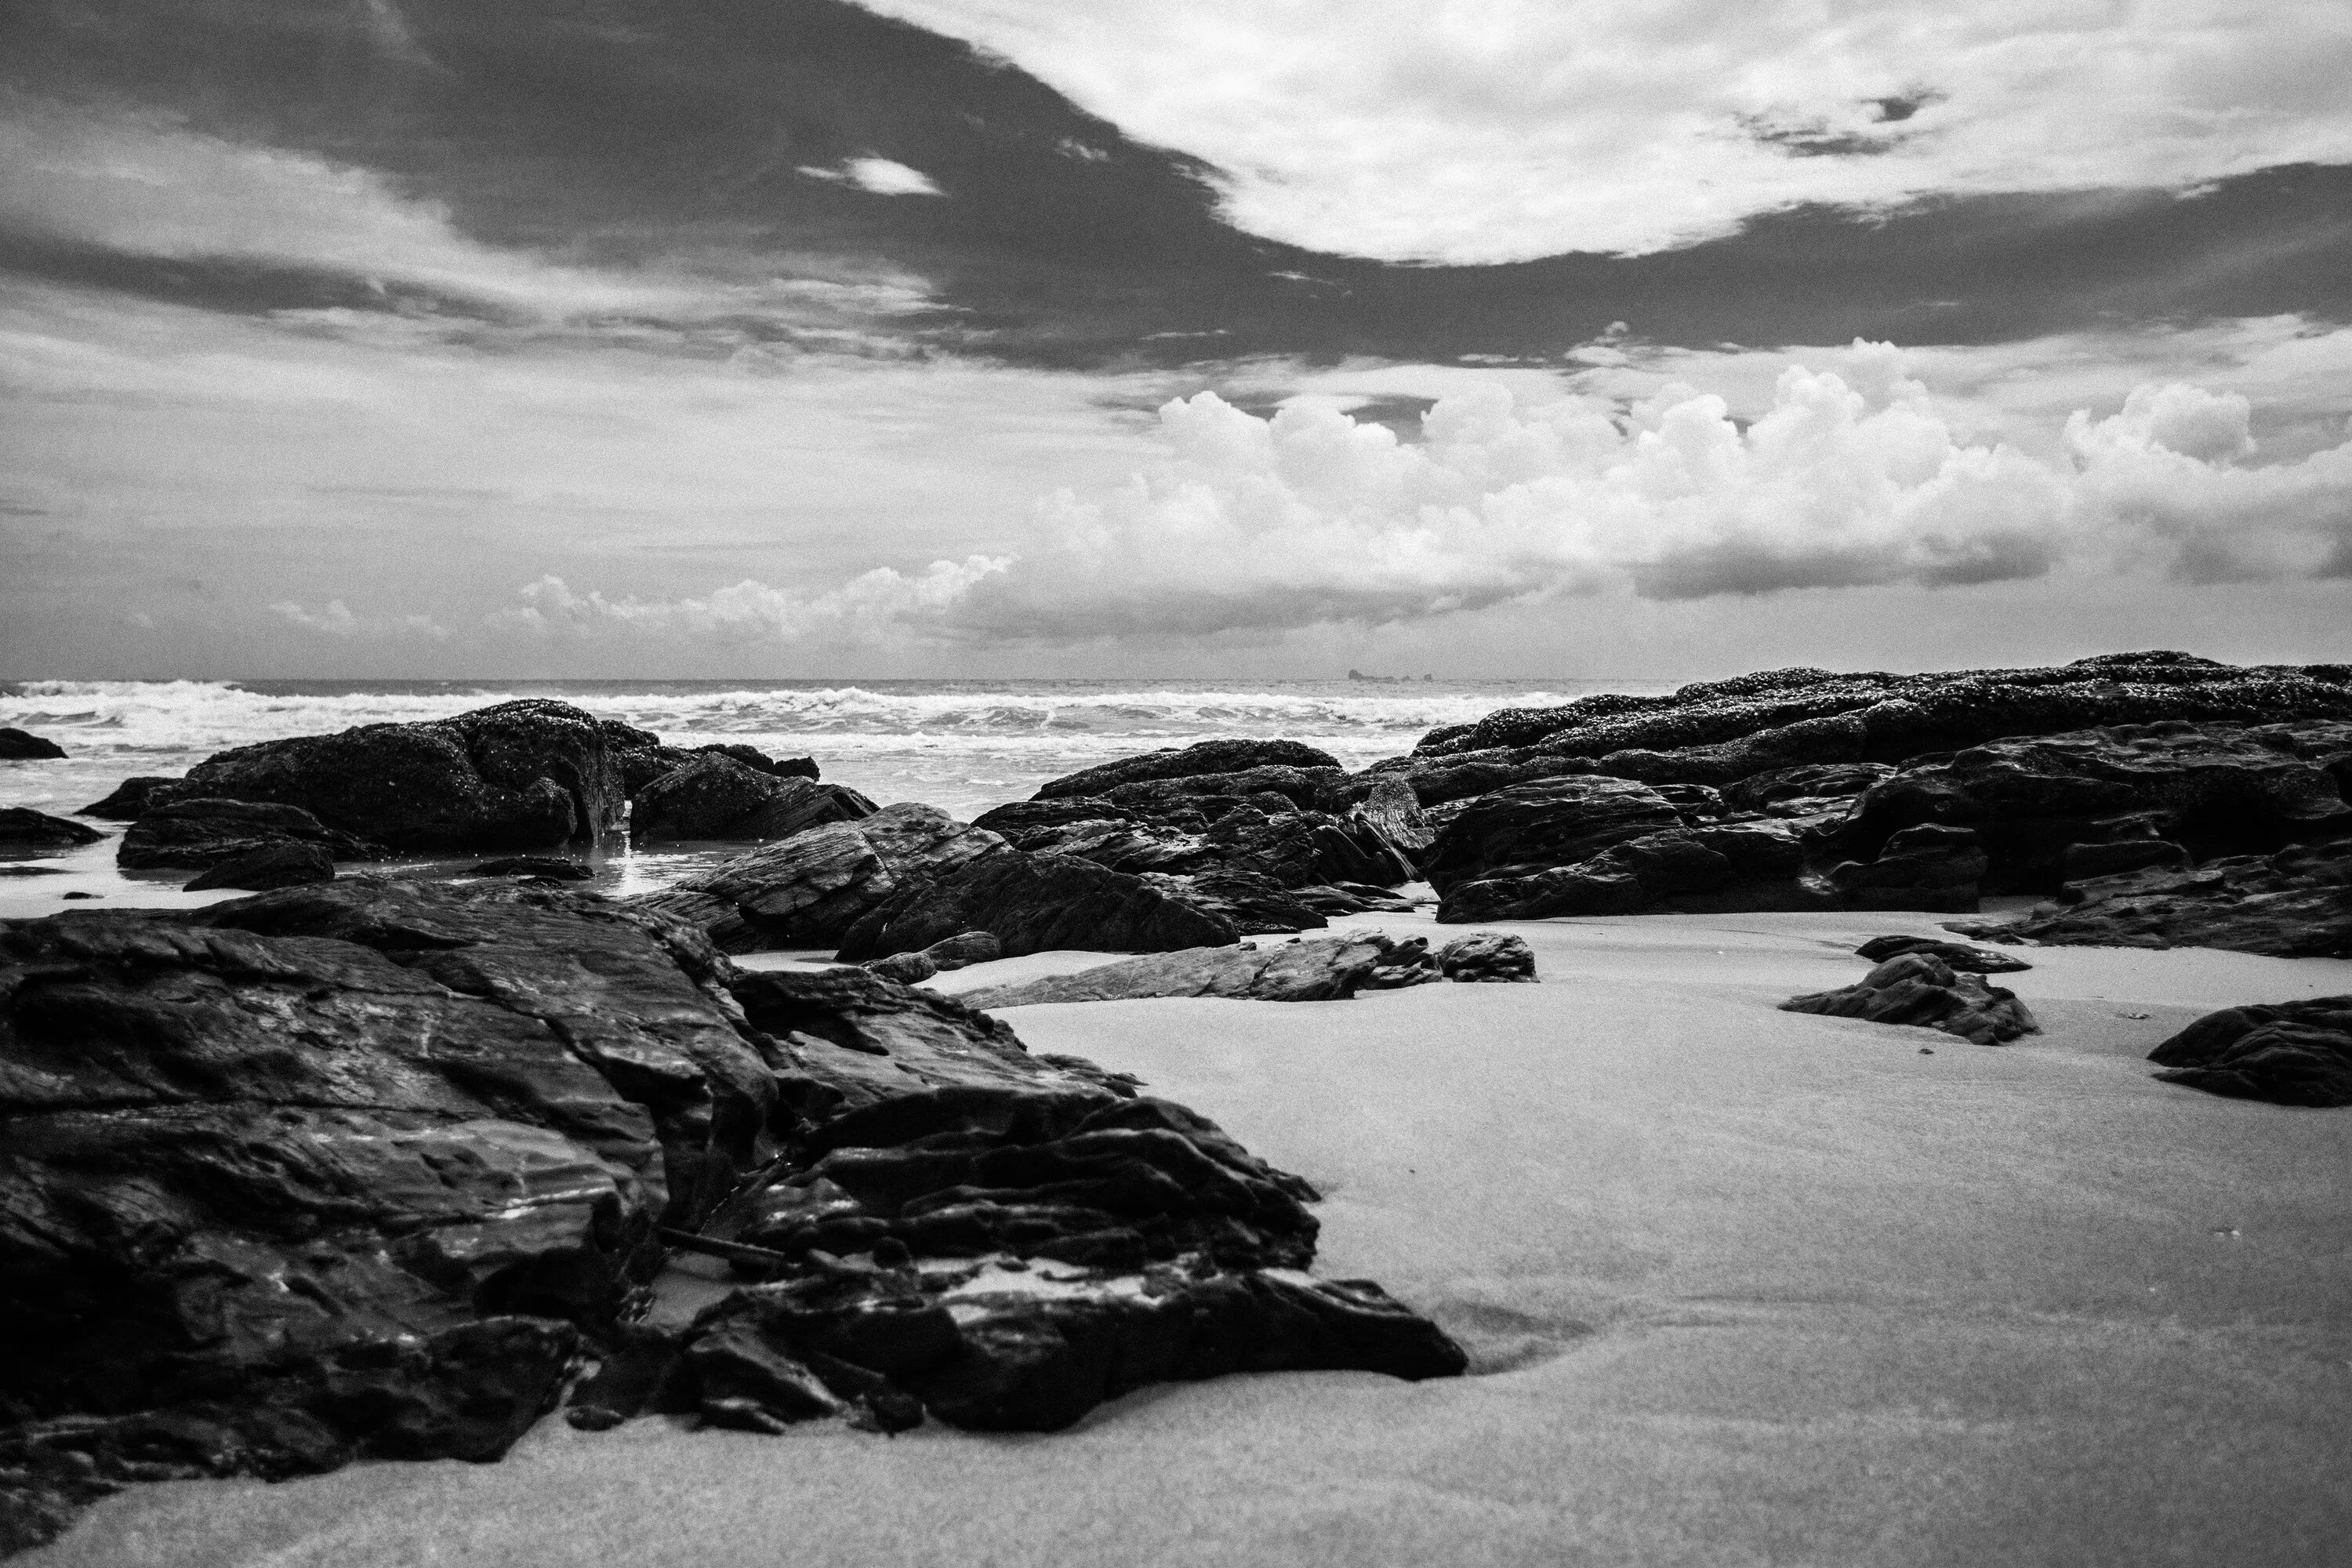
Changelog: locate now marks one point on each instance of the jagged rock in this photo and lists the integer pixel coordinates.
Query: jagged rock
(906, 968)
(1929, 866)
(1031, 903)
(555, 867)
(719, 797)
(517, 775)
(1919, 988)
(1252, 904)
(1270, 788)
(1717, 732)
(1313, 969)
(289, 863)
(1032, 824)
(1352, 899)
(1125, 845)
(808, 889)
(1487, 956)
(2142, 794)
(19, 746)
(132, 798)
(1954, 955)
(2289, 1053)
(1809, 791)
(1444, 780)
(1530, 828)
(1303, 848)
(205, 832)
(23, 828)
(955, 952)
(2296, 903)
(1736, 867)
(1222, 757)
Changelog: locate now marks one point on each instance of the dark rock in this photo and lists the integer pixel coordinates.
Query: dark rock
(906, 968)
(1316, 969)
(79, 894)
(1303, 848)
(1252, 904)
(1439, 781)
(32, 870)
(717, 797)
(1032, 824)
(1919, 988)
(132, 798)
(1031, 903)
(1954, 955)
(760, 761)
(287, 864)
(1929, 866)
(203, 832)
(553, 867)
(23, 828)
(518, 776)
(2289, 1053)
(1485, 956)
(1533, 827)
(17, 746)
(1207, 757)
(1352, 899)
(808, 889)
(2296, 903)
(1270, 789)
(1735, 867)
(964, 949)
(1804, 791)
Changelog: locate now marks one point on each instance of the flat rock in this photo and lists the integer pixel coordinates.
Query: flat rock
(20, 746)
(22, 828)
(719, 797)
(2296, 903)
(132, 798)
(808, 889)
(1918, 988)
(1202, 759)
(2289, 1053)
(1956, 955)
(203, 832)
(1312, 969)
(1031, 903)
(287, 864)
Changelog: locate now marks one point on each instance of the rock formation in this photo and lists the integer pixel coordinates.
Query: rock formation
(1919, 988)
(958, 951)
(1224, 757)
(1487, 957)
(288, 863)
(2296, 903)
(130, 798)
(2289, 1053)
(201, 833)
(719, 797)
(1311, 969)
(1031, 903)
(24, 830)
(1955, 955)
(19, 746)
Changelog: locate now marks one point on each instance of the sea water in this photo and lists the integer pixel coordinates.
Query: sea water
(962, 746)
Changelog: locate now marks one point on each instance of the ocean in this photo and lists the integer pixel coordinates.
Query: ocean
(962, 746)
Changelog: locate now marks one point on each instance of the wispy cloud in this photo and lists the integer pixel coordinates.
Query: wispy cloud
(881, 176)
(337, 620)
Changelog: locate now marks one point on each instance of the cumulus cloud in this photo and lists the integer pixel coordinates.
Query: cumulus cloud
(1519, 491)
(337, 620)
(1522, 128)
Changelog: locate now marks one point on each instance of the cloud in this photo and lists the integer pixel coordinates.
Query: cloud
(1527, 128)
(338, 621)
(879, 175)
(752, 611)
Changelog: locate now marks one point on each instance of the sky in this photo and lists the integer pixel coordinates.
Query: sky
(1259, 339)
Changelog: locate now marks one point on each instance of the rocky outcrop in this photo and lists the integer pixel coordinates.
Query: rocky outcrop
(808, 889)
(1532, 828)
(132, 798)
(1918, 988)
(289, 863)
(958, 951)
(1031, 903)
(20, 746)
(1251, 904)
(525, 774)
(24, 829)
(1716, 733)
(2296, 903)
(1955, 955)
(203, 832)
(1929, 866)
(2289, 1053)
(1486, 957)
(1253, 835)
(1208, 758)
(1314, 969)
(717, 797)
(1735, 867)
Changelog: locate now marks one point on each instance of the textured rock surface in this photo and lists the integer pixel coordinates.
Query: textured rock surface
(21, 746)
(2296, 903)
(1252, 904)
(808, 889)
(1313, 969)
(1918, 988)
(1533, 827)
(1205, 759)
(721, 798)
(2289, 1053)
(518, 776)
(288, 864)
(1031, 903)
(205, 832)
(1927, 867)
(23, 828)
(1956, 955)
(1742, 865)
(1485, 956)
(955, 952)
(132, 798)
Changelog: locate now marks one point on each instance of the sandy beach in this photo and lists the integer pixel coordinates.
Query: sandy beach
(1739, 1287)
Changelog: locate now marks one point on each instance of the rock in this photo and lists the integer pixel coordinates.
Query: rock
(1031, 903)
(2296, 903)
(808, 889)
(1271, 789)
(1303, 848)
(760, 761)
(1929, 866)
(1804, 791)
(32, 870)
(1739, 867)
(1352, 899)
(1252, 904)
(2289, 1053)
(717, 797)
(203, 831)
(1919, 988)
(131, 799)
(286, 864)
(964, 949)
(525, 774)
(1954, 955)
(17, 746)
(906, 968)
(1313, 969)
(553, 867)
(1533, 827)
(1393, 810)
(1717, 732)
(23, 828)
(1439, 781)
(1205, 758)
(1485, 956)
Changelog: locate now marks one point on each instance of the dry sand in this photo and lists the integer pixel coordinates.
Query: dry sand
(1740, 1287)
